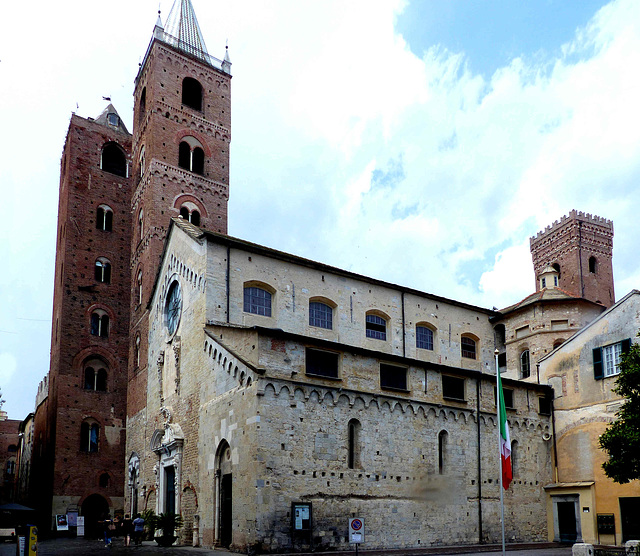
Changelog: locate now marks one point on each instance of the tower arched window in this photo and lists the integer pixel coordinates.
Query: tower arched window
(191, 155)
(192, 93)
(103, 270)
(113, 160)
(190, 215)
(442, 451)
(525, 364)
(137, 351)
(141, 224)
(100, 323)
(104, 218)
(593, 265)
(353, 456)
(139, 287)
(95, 375)
(89, 437)
(142, 106)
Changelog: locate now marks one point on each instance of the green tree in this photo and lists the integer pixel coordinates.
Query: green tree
(621, 440)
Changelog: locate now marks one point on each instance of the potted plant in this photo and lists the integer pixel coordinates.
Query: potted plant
(167, 523)
(149, 526)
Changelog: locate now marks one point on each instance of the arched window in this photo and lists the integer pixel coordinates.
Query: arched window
(141, 224)
(557, 343)
(104, 218)
(192, 93)
(257, 301)
(468, 346)
(442, 451)
(593, 265)
(114, 160)
(376, 327)
(424, 337)
(138, 351)
(103, 482)
(103, 271)
(99, 323)
(89, 437)
(142, 106)
(142, 161)
(139, 284)
(191, 155)
(190, 215)
(95, 376)
(525, 364)
(353, 456)
(320, 315)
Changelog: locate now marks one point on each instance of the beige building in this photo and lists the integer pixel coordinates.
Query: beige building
(285, 396)
(583, 503)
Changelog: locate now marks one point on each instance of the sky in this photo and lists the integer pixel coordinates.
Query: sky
(420, 142)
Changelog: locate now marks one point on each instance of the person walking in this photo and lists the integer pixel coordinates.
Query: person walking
(138, 529)
(108, 530)
(127, 529)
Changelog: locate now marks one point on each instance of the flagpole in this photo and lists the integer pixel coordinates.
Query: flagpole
(498, 394)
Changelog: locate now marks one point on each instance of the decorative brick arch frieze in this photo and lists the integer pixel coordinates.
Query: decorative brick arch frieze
(186, 198)
(110, 312)
(189, 486)
(201, 138)
(95, 352)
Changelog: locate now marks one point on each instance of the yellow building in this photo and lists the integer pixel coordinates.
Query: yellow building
(584, 504)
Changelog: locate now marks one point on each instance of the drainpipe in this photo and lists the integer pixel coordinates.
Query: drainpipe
(479, 462)
(228, 278)
(555, 451)
(404, 353)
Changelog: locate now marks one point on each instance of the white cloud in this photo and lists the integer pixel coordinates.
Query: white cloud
(326, 98)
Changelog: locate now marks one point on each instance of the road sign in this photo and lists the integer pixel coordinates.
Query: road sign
(356, 530)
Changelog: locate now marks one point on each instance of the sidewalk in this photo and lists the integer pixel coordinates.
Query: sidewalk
(82, 547)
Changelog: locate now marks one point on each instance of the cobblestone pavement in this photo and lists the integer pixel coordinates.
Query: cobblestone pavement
(82, 547)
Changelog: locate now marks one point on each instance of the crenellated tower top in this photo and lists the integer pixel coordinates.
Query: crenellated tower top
(579, 247)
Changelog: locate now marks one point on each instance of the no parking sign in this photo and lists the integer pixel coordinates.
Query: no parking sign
(356, 530)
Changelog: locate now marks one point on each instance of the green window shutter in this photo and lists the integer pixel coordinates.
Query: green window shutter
(598, 372)
(626, 345)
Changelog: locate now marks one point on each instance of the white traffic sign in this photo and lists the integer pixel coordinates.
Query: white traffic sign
(356, 530)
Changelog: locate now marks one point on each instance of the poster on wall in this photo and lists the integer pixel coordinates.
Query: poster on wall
(80, 521)
(61, 522)
(72, 519)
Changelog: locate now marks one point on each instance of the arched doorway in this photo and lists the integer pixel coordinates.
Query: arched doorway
(94, 508)
(225, 495)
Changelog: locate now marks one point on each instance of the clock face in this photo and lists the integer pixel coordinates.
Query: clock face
(173, 307)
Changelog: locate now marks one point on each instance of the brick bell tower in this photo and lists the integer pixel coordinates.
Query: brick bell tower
(181, 136)
(580, 248)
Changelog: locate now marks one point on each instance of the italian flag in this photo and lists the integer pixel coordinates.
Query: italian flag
(505, 438)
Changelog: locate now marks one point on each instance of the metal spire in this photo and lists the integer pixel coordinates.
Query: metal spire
(183, 25)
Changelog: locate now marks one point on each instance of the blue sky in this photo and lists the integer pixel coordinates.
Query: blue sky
(493, 32)
(421, 143)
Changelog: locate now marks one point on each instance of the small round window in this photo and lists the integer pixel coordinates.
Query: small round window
(173, 307)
